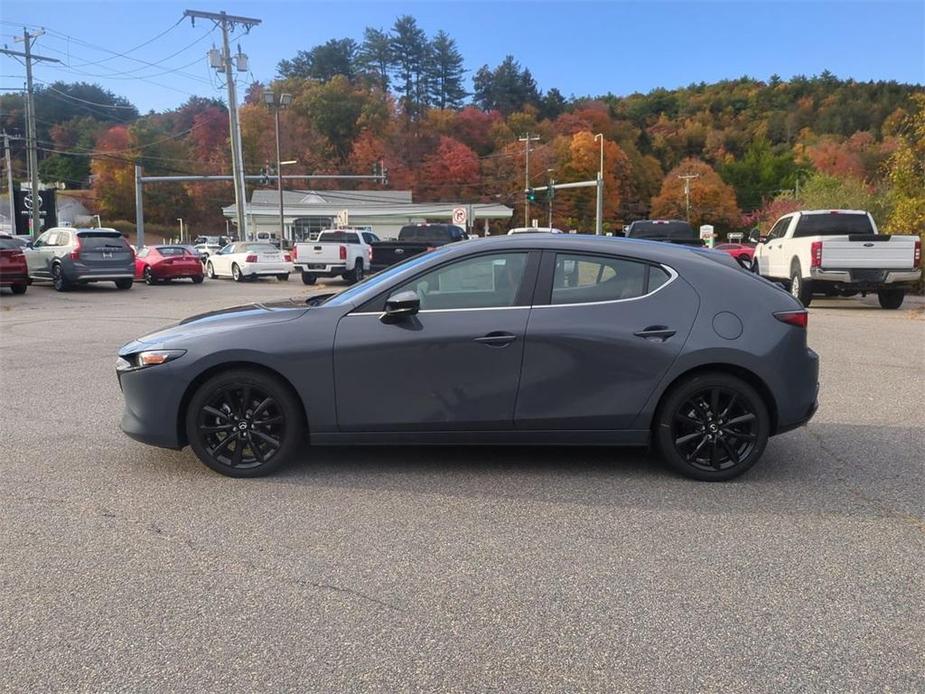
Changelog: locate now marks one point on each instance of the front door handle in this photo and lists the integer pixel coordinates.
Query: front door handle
(655, 332)
(496, 339)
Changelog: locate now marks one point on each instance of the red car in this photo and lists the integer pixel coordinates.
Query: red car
(742, 252)
(164, 263)
(14, 273)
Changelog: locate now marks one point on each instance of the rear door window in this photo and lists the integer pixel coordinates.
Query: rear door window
(579, 279)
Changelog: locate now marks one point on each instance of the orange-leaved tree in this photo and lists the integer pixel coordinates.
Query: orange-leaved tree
(711, 200)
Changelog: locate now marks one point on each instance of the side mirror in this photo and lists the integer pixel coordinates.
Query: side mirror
(400, 305)
(755, 236)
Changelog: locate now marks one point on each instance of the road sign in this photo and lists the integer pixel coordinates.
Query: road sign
(460, 216)
(27, 201)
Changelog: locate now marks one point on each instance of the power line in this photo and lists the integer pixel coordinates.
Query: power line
(135, 48)
(85, 101)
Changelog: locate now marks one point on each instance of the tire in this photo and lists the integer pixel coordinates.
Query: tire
(283, 277)
(228, 402)
(800, 289)
(236, 273)
(149, 276)
(210, 271)
(59, 280)
(19, 288)
(197, 279)
(356, 274)
(124, 284)
(308, 278)
(712, 427)
(891, 299)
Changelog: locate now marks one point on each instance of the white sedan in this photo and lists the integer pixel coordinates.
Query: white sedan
(249, 259)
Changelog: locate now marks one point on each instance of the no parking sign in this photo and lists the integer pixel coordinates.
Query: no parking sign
(460, 216)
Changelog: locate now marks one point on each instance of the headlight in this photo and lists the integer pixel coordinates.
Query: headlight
(154, 357)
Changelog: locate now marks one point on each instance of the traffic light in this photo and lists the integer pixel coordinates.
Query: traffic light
(531, 195)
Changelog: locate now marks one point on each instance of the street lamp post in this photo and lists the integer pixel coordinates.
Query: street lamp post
(278, 103)
(599, 212)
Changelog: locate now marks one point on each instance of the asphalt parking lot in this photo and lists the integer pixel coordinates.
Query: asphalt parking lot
(126, 567)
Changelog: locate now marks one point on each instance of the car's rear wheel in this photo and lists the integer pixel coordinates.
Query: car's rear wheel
(210, 271)
(124, 283)
(712, 427)
(244, 423)
(236, 273)
(800, 289)
(308, 278)
(891, 298)
(149, 276)
(197, 279)
(284, 277)
(58, 280)
(19, 288)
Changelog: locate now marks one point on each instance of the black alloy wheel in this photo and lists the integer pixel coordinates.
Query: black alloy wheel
(244, 424)
(713, 427)
(149, 276)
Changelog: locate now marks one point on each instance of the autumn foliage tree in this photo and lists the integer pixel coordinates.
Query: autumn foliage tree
(711, 200)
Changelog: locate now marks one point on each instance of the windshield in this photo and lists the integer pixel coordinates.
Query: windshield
(662, 230)
(339, 236)
(173, 250)
(833, 224)
(378, 280)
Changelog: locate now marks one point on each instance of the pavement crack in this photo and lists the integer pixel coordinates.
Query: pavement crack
(347, 591)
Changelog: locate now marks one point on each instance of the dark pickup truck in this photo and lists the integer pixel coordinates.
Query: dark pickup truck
(667, 230)
(412, 240)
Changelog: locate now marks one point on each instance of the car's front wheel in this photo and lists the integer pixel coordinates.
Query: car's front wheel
(712, 427)
(210, 271)
(149, 276)
(244, 423)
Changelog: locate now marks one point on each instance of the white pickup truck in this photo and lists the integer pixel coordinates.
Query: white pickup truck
(337, 252)
(837, 253)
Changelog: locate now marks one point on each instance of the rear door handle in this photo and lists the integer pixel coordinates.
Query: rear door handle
(655, 332)
(496, 339)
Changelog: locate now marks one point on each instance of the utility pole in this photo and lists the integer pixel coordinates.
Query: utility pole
(599, 206)
(32, 156)
(527, 139)
(228, 22)
(687, 178)
(9, 182)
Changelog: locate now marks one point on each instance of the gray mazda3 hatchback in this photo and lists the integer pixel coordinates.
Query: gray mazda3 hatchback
(525, 339)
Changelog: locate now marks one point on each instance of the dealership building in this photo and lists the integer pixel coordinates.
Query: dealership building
(386, 211)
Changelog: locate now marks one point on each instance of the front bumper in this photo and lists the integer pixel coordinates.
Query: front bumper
(865, 278)
(152, 404)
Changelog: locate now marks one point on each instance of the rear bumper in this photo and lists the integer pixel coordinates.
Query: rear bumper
(871, 278)
(177, 273)
(322, 271)
(8, 279)
(252, 269)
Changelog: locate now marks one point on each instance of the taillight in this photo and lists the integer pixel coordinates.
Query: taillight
(816, 254)
(75, 254)
(917, 254)
(430, 248)
(287, 258)
(343, 253)
(369, 253)
(251, 259)
(295, 252)
(797, 318)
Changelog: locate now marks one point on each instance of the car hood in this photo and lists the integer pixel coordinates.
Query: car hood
(237, 317)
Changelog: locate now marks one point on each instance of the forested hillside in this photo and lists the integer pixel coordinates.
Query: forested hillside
(759, 146)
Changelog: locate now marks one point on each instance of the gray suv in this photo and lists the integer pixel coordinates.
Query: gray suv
(69, 256)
